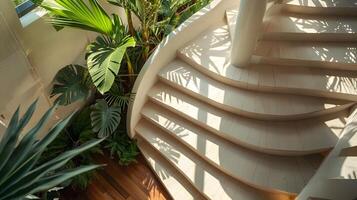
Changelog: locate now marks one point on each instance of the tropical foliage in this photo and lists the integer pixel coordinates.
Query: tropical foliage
(71, 83)
(105, 119)
(114, 60)
(21, 171)
(122, 147)
(104, 56)
(77, 133)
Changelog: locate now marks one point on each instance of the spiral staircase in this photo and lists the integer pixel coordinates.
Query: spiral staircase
(274, 129)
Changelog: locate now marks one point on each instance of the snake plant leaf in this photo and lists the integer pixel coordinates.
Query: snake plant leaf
(52, 181)
(21, 172)
(71, 83)
(105, 119)
(82, 14)
(12, 135)
(33, 176)
(104, 60)
(24, 146)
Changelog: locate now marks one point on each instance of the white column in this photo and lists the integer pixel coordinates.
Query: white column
(248, 27)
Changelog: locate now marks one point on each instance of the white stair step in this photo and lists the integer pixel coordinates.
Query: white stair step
(209, 180)
(213, 61)
(281, 173)
(281, 138)
(253, 104)
(328, 55)
(325, 7)
(339, 56)
(175, 183)
(310, 28)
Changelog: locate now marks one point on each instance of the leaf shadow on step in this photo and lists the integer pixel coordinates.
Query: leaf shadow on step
(325, 3)
(331, 52)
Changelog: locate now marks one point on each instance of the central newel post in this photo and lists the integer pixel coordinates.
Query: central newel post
(249, 24)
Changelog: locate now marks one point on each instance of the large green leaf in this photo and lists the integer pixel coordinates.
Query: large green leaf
(105, 119)
(104, 60)
(71, 83)
(117, 96)
(83, 14)
(20, 172)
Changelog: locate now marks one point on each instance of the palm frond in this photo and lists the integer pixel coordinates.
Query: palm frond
(82, 14)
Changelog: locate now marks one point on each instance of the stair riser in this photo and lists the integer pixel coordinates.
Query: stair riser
(251, 115)
(341, 11)
(311, 37)
(215, 165)
(302, 63)
(267, 88)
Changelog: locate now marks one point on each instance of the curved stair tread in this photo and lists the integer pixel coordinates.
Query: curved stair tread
(286, 79)
(278, 173)
(211, 182)
(340, 56)
(310, 28)
(253, 104)
(322, 4)
(341, 7)
(281, 138)
(177, 186)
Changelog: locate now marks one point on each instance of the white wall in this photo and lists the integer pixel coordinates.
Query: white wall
(30, 57)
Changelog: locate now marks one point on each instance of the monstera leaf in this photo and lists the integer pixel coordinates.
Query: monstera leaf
(104, 60)
(105, 119)
(72, 83)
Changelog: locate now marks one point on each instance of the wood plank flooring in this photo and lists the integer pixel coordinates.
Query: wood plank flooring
(135, 182)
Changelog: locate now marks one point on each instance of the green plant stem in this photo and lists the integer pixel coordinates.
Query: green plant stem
(130, 67)
(130, 22)
(146, 43)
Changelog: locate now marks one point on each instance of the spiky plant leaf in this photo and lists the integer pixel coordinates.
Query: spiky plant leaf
(105, 119)
(19, 174)
(71, 83)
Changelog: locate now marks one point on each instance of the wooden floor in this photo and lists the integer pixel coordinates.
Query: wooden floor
(135, 182)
